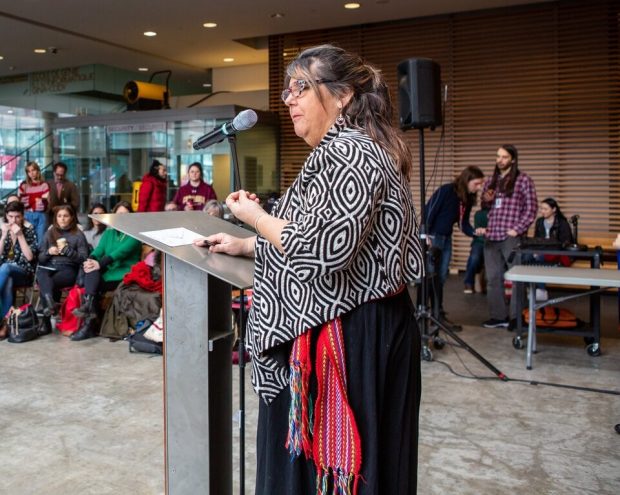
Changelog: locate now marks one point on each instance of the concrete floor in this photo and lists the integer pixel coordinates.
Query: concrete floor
(86, 417)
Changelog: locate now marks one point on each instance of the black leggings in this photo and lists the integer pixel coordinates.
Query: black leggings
(52, 281)
(94, 283)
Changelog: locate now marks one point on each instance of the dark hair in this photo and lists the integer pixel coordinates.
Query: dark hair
(461, 184)
(60, 164)
(17, 206)
(370, 107)
(124, 204)
(89, 223)
(509, 186)
(198, 165)
(154, 170)
(55, 232)
(554, 205)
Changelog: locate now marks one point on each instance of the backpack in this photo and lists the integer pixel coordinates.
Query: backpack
(23, 324)
(554, 317)
(69, 322)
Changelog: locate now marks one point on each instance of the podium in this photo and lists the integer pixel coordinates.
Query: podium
(198, 341)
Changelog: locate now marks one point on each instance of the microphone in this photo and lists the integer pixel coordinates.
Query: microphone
(242, 122)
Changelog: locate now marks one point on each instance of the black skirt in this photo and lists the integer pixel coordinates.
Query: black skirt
(382, 352)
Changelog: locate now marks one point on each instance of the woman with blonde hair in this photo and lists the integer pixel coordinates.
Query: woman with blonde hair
(34, 192)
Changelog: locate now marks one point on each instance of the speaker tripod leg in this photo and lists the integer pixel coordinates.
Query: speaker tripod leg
(468, 348)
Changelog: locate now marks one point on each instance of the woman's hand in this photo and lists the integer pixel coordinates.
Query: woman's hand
(5, 229)
(90, 265)
(53, 250)
(228, 244)
(481, 231)
(244, 206)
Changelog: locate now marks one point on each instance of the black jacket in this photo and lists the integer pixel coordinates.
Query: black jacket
(560, 230)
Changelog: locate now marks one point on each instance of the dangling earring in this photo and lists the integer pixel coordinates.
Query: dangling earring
(340, 120)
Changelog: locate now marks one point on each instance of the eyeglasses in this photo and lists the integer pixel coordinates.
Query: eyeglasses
(298, 88)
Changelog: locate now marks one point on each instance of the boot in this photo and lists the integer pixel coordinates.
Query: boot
(85, 331)
(46, 325)
(49, 305)
(86, 310)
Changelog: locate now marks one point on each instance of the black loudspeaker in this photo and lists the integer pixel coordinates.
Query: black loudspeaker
(419, 93)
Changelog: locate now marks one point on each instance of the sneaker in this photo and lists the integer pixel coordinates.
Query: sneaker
(468, 289)
(542, 295)
(495, 323)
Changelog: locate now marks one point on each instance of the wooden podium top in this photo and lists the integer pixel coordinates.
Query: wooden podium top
(237, 271)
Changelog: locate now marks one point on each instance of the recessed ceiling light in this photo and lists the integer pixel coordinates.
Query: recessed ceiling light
(1, 57)
(206, 85)
(150, 33)
(143, 69)
(229, 59)
(352, 5)
(210, 24)
(9, 111)
(277, 15)
(40, 50)
(284, 54)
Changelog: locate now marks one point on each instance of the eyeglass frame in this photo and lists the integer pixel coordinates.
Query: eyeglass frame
(300, 82)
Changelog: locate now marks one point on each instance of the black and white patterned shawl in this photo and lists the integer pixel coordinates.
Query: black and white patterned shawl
(352, 237)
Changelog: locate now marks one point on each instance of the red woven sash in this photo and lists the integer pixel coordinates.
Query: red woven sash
(333, 441)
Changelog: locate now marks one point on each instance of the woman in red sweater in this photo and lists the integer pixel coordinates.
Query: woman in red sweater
(154, 188)
(34, 193)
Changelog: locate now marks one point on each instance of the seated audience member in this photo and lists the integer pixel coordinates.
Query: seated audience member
(214, 208)
(63, 251)
(137, 298)
(10, 198)
(18, 250)
(105, 268)
(195, 194)
(152, 194)
(475, 262)
(95, 229)
(171, 206)
(552, 224)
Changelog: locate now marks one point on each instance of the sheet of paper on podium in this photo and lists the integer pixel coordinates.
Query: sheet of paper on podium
(179, 236)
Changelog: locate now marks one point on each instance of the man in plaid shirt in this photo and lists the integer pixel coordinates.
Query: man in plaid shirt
(510, 196)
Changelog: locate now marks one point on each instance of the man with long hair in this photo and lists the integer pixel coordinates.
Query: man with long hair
(510, 196)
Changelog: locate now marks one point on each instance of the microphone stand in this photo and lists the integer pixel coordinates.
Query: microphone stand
(423, 315)
(232, 140)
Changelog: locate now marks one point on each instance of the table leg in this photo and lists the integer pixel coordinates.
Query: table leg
(531, 327)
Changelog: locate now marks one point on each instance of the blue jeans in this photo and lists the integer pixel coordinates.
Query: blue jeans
(10, 275)
(38, 219)
(442, 245)
(475, 262)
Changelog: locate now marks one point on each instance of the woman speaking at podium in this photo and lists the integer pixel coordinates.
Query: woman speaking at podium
(334, 343)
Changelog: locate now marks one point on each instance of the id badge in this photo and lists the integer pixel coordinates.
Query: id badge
(498, 202)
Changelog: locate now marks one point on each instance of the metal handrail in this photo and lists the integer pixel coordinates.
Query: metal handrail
(26, 150)
(17, 156)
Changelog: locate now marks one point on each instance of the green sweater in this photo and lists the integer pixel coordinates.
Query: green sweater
(124, 251)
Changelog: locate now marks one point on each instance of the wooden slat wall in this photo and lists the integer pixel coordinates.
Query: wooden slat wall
(543, 77)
